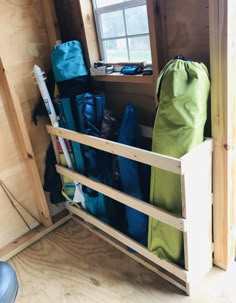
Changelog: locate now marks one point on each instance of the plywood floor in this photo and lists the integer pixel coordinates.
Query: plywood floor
(71, 265)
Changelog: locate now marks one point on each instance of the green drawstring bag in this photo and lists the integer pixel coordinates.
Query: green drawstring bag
(183, 89)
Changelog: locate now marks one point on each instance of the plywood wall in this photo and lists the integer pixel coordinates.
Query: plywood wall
(186, 24)
(23, 42)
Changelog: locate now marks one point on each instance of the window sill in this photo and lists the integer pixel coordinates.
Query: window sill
(117, 77)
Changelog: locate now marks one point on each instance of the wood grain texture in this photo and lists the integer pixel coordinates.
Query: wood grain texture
(51, 21)
(117, 195)
(223, 74)
(23, 42)
(28, 239)
(24, 145)
(187, 29)
(142, 250)
(71, 265)
(137, 154)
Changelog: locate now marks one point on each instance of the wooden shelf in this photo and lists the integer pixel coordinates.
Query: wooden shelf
(117, 77)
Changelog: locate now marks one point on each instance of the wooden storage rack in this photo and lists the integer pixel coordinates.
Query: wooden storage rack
(195, 170)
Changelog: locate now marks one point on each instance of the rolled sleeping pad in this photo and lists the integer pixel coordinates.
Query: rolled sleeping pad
(90, 110)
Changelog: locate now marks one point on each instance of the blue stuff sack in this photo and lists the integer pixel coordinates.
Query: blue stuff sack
(131, 70)
(67, 61)
(131, 178)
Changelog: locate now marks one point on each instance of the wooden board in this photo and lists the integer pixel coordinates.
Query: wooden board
(196, 189)
(165, 264)
(151, 266)
(51, 21)
(28, 239)
(187, 29)
(25, 147)
(118, 95)
(72, 265)
(23, 42)
(137, 154)
(223, 77)
(130, 201)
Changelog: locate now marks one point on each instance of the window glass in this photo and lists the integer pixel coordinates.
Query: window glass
(139, 49)
(115, 50)
(112, 24)
(102, 3)
(136, 20)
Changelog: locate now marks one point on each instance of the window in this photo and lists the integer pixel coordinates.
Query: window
(122, 28)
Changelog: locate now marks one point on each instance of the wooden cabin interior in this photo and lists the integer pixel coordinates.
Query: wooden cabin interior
(57, 258)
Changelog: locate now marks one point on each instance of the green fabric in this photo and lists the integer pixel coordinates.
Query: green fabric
(183, 89)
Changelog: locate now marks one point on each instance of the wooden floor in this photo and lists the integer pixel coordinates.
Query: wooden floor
(71, 265)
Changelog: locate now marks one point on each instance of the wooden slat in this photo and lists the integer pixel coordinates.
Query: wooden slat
(223, 97)
(196, 186)
(137, 204)
(161, 161)
(117, 77)
(28, 239)
(25, 146)
(196, 153)
(51, 21)
(133, 256)
(168, 266)
(152, 24)
(162, 34)
(88, 31)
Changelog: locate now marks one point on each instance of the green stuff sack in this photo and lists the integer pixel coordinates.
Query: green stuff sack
(183, 89)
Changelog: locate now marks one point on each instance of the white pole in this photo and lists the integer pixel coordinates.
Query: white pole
(39, 76)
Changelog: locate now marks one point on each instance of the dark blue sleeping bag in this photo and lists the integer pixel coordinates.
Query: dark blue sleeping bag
(131, 177)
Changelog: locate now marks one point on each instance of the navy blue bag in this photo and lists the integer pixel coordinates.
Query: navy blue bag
(131, 178)
(90, 110)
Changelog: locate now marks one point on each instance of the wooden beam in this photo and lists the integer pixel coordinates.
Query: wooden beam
(89, 34)
(137, 154)
(142, 250)
(138, 258)
(25, 146)
(130, 201)
(51, 21)
(223, 98)
(28, 239)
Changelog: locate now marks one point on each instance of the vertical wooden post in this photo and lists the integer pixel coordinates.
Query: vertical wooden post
(25, 146)
(51, 21)
(222, 20)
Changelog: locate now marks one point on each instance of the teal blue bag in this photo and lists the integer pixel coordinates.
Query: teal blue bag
(68, 61)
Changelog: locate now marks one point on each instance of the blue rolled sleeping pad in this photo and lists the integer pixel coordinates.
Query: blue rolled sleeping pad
(90, 109)
(131, 177)
(67, 118)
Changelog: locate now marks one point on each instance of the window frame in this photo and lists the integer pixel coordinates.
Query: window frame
(114, 7)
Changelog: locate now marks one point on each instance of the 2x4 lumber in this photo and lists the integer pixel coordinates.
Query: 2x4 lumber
(124, 250)
(196, 186)
(164, 162)
(168, 266)
(25, 146)
(51, 21)
(223, 99)
(117, 195)
(88, 33)
(152, 24)
(28, 239)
